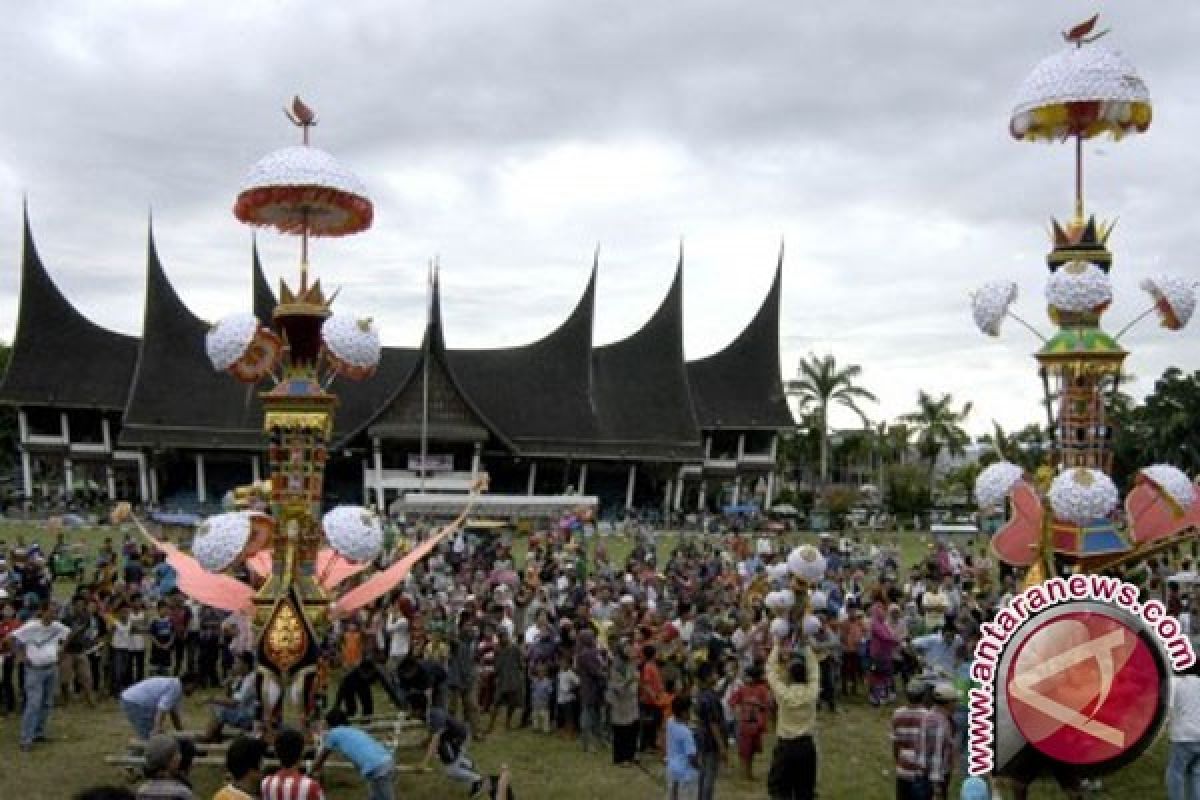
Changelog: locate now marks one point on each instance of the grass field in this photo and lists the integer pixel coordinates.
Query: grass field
(854, 762)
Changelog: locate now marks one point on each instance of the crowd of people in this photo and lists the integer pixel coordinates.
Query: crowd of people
(690, 658)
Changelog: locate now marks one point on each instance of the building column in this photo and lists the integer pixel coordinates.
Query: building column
(582, 488)
(770, 498)
(65, 427)
(377, 455)
(475, 461)
(702, 499)
(707, 447)
(111, 479)
(152, 471)
(629, 487)
(255, 469)
(201, 482)
(27, 473)
(677, 505)
(107, 432)
(668, 493)
(22, 425)
(532, 478)
(69, 474)
(143, 479)
(737, 490)
(741, 446)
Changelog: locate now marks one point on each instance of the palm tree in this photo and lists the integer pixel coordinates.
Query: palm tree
(939, 427)
(821, 384)
(890, 442)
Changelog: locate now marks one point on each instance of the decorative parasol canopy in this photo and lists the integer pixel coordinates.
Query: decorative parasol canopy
(302, 188)
(1084, 90)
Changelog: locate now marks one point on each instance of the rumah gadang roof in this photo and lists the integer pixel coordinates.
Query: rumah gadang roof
(741, 386)
(59, 357)
(556, 397)
(640, 388)
(176, 399)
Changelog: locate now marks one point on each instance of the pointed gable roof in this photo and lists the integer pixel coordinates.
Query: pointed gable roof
(453, 413)
(177, 399)
(264, 298)
(640, 387)
(741, 386)
(60, 357)
(539, 394)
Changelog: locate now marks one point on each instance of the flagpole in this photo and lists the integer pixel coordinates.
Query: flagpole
(425, 378)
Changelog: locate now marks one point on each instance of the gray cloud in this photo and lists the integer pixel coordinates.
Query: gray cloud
(509, 139)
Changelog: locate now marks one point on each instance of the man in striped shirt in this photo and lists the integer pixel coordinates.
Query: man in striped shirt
(907, 722)
(937, 739)
(289, 783)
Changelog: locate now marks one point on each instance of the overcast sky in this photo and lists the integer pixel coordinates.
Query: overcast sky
(509, 139)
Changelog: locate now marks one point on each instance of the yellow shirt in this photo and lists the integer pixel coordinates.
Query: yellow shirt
(797, 701)
(231, 792)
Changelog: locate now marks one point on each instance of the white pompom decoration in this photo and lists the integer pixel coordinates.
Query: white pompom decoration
(220, 539)
(353, 343)
(777, 572)
(227, 341)
(990, 303)
(1175, 299)
(1172, 482)
(811, 624)
(780, 628)
(354, 532)
(807, 562)
(995, 482)
(1083, 495)
(818, 600)
(787, 598)
(1079, 287)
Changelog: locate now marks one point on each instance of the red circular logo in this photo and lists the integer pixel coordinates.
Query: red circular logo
(1083, 688)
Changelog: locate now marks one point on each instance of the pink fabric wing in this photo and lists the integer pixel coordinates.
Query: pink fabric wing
(340, 570)
(1016, 543)
(211, 589)
(383, 582)
(1150, 515)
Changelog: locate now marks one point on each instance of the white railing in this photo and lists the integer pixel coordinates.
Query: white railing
(408, 480)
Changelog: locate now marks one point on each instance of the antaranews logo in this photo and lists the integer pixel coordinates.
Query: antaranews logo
(1076, 668)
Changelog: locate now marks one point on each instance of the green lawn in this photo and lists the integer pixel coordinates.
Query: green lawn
(854, 762)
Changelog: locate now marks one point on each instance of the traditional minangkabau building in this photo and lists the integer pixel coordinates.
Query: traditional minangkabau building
(631, 423)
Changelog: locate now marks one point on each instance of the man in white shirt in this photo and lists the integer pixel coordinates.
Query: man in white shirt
(39, 646)
(148, 704)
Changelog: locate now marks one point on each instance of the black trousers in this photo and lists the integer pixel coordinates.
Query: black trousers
(793, 773)
(355, 689)
(625, 743)
(651, 722)
(8, 694)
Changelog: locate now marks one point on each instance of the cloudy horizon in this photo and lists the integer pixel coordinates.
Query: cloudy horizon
(511, 140)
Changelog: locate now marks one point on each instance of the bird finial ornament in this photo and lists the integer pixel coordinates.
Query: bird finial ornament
(1082, 34)
(301, 116)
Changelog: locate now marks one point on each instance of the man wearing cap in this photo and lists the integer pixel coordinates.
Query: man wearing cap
(39, 646)
(793, 679)
(162, 759)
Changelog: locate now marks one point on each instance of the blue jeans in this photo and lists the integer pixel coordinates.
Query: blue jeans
(1183, 771)
(141, 718)
(380, 783)
(40, 685)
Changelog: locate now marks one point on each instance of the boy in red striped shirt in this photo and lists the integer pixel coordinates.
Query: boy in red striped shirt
(289, 783)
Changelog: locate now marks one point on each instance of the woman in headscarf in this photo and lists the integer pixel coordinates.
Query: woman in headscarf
(882, 647)
(622, 697)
